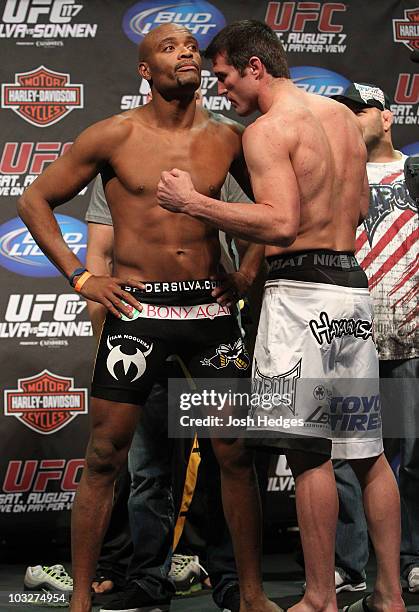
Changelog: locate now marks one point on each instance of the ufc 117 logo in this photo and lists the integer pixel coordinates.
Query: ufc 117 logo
(30, 307)
(26, 11)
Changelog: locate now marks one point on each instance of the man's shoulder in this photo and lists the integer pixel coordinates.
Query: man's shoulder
(332, 110)
(115, 126)
(118, 125)
(271, 126)
(103, 136)
(223, 122)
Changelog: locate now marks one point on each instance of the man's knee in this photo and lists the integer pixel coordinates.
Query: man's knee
(104, 458)
(233, 456)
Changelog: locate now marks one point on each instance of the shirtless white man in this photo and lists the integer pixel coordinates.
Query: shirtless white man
(307, 161)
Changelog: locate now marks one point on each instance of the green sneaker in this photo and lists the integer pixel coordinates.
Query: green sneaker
(185, 572)
(48, 585)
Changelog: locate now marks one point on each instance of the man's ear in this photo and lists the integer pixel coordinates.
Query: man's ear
(144, 71)
(388, 118)
(256, 67)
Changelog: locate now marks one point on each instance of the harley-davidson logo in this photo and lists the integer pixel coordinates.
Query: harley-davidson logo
(42, 96)
(406, 30)
(45, 402)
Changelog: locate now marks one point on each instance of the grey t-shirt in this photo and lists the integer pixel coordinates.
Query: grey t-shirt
(98, 212)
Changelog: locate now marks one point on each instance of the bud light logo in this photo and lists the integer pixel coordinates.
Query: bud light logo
(411, 149)
(19, 252)
(199, 16)
(319, 80)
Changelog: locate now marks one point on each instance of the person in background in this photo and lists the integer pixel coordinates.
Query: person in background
(387, 249)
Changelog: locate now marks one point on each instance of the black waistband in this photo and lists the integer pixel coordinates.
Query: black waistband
(181, 293)
(318, 266)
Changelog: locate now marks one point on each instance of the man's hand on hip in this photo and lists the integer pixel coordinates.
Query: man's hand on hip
(233, 287)
(108, 290)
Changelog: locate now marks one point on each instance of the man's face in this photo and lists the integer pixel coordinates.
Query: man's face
(173, 59)
(240, 89)
(371, 122)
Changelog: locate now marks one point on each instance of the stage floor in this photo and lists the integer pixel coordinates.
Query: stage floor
(282, 576)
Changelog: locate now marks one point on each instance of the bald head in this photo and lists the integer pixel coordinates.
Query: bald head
(156, 36)
(170, 61)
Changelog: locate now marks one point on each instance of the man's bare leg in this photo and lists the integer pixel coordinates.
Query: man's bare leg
(382, 511)
(317, 512)
(242, 510)
(113, 425)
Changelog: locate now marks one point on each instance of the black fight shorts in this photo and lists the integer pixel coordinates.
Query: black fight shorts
(178, 318)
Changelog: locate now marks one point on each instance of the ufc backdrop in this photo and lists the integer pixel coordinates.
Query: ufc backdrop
(67, 64)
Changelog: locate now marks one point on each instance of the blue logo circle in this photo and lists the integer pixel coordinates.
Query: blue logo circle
(19, 252)
(319, 80)
(200, 17)
(411, 149)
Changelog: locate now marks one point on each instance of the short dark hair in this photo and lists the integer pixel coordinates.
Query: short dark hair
(243, 39)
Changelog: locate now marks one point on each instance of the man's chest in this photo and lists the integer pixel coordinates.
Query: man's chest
(138, 165)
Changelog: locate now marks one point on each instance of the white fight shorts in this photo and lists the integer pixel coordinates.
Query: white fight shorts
(315, 361)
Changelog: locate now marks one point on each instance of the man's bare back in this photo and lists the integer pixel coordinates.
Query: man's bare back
(328, 157)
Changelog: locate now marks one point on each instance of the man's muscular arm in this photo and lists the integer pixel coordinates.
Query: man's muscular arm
(60, 182)
(251, 254)
(99, 257)
(274, 218)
